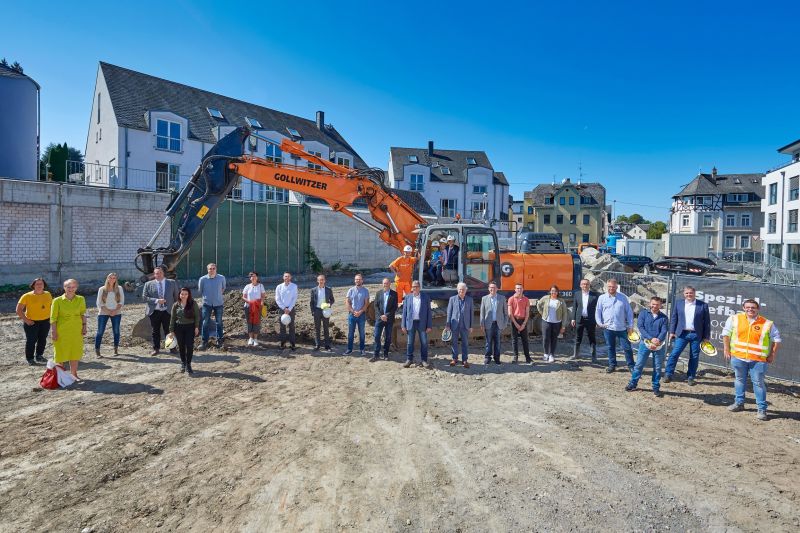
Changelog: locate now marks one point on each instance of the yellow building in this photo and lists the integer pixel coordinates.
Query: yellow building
(577, 211)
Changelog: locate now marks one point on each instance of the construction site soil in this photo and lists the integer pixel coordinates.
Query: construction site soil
(261, 439)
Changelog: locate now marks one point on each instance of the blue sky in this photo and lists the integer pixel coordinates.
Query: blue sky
(640, 95)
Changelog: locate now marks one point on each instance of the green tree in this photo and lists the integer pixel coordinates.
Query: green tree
(656, 229)
(621, 219)
(58, 155)
(636, 218)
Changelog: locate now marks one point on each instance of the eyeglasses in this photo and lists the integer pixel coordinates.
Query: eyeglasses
(751, 308)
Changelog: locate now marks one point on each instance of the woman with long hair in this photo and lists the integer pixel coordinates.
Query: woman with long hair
(33, 309)
(253, 296)
(68, 326)
(185, 325)
(555, 315)
(110, 299)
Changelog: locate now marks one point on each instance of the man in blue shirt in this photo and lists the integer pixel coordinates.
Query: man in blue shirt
(212, 288)
(653, 331)
(357, 300)
(615, 317)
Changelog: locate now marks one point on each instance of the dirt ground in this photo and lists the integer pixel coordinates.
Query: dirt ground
(269, 440)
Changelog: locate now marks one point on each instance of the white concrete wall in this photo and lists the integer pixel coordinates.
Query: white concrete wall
(338, 238)
(18, 128)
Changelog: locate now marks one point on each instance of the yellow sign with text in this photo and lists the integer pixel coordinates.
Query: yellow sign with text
(202, 211)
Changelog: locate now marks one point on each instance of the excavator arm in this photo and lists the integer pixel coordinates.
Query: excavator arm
(340, 186)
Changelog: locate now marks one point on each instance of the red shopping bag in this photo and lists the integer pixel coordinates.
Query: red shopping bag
(49, 379)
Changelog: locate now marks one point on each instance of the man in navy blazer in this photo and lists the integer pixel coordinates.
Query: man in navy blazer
(417, 320)
(690, 323)
(459, 322)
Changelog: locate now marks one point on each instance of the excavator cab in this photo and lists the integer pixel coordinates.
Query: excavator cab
(470, 255)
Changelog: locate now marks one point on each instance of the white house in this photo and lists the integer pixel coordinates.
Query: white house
(147, 133)
(724, 207)
(638, 231)
(454, 182)
(780, 206)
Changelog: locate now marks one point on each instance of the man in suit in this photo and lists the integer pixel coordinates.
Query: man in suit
(690, 323)
(159, 294)
(450, 259)
(494, 317)
(417, 320)
(385, 309)
(321, 295)
(583, 317)
(459, 322)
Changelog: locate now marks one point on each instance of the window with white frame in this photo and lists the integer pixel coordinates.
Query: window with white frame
(794, 188)
(168, 135)
(746, 220)
(167, 177)
(791, 224)
(236, 192)
(311, 165)
(772, 223)
(744, 241)
(275, 194)
(585, 237)
(562, 200)
(684, 221)
(773, 193)
(416, 182)
(730, 220)
(448, 207)
(571, 200)
(478, 209)
(479, 189)
(710, 242)
(586, 219)
(273, 153)
(344, 161)
(708, 221)
(730, 241)
(737, 198)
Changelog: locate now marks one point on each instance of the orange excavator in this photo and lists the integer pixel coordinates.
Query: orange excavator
(478, 261)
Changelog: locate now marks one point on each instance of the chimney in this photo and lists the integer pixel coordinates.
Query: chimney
(714, 175)
(430, 148)
(321, 120)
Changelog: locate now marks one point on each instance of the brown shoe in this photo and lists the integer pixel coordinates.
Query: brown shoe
(453, 362)
(116, 350)
(97, 352)
(466, 364)
(407, 364)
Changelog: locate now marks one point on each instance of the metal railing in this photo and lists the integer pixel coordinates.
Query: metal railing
(98, 175)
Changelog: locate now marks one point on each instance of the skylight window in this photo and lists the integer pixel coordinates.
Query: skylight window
(471, 161)
(294, 133)
(413, 159)
(446, 171)
(253, 122)
(214, 112)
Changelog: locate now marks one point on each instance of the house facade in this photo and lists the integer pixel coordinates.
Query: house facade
(454, 182)
(518, 214)
(780, 207)
(574, 210)
(637, 231)
(147, 133)
(724, 207)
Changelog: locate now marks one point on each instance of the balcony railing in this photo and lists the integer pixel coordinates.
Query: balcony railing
(97, 175)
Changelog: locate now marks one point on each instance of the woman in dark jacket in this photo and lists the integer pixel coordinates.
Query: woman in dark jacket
(185, 325)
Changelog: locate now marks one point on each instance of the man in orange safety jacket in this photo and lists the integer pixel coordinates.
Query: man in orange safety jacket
(403, 267)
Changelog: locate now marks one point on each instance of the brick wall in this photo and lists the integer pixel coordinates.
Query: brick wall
(24, 233)
(108, 235)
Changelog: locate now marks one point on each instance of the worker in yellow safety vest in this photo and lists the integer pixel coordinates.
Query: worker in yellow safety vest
(751, 342)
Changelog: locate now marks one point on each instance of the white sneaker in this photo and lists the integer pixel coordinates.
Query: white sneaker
(551, 359)
(545, 358)
(249, 342)
(255, 342)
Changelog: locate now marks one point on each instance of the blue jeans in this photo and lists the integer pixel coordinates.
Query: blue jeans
(461, 335)
(641, 360)
(417, 329)
(693, 340)
(492, 343)
(435, 272)
(611, 342)
(207, 310)
(352, 322)
(102, 321)
(756, 369)
(385, 329)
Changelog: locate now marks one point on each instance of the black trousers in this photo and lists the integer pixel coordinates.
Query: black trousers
(184, 334)
(588, 325)
(321, 321)
(383, 329)
(36, 338)
(283, 335)
(516, 336)
(159, 320)
(551, 331)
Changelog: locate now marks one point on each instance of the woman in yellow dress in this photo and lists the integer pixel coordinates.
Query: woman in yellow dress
(68, 323)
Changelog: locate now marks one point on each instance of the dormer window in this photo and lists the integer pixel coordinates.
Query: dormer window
(168, 136)
(253, 122)
(294, 133)
(471, 161)
(413, 159)
(215, 113)
(446, 171)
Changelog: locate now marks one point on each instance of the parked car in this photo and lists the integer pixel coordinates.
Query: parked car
(682, 266)
(636, 262)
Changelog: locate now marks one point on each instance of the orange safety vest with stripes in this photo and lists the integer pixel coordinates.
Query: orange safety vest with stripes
(750, 341)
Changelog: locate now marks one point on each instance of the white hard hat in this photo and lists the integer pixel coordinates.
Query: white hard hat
(286, 319)
(442, 241)
(450, 238)
(407, 248)
(327, 312)
(170, 341)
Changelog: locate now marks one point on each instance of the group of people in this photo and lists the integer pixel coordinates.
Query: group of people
(750, 340)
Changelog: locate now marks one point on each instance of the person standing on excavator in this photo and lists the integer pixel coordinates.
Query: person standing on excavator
(403, 268)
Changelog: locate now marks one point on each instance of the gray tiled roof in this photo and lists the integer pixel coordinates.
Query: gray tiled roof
(540, 192)
(132, 94)
(455, 160)
(417, 202)
(725, 183)
(7, 72)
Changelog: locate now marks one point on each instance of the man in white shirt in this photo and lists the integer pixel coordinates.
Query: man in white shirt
(286, 298)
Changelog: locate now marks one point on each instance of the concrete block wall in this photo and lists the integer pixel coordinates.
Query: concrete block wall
(60, 231)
